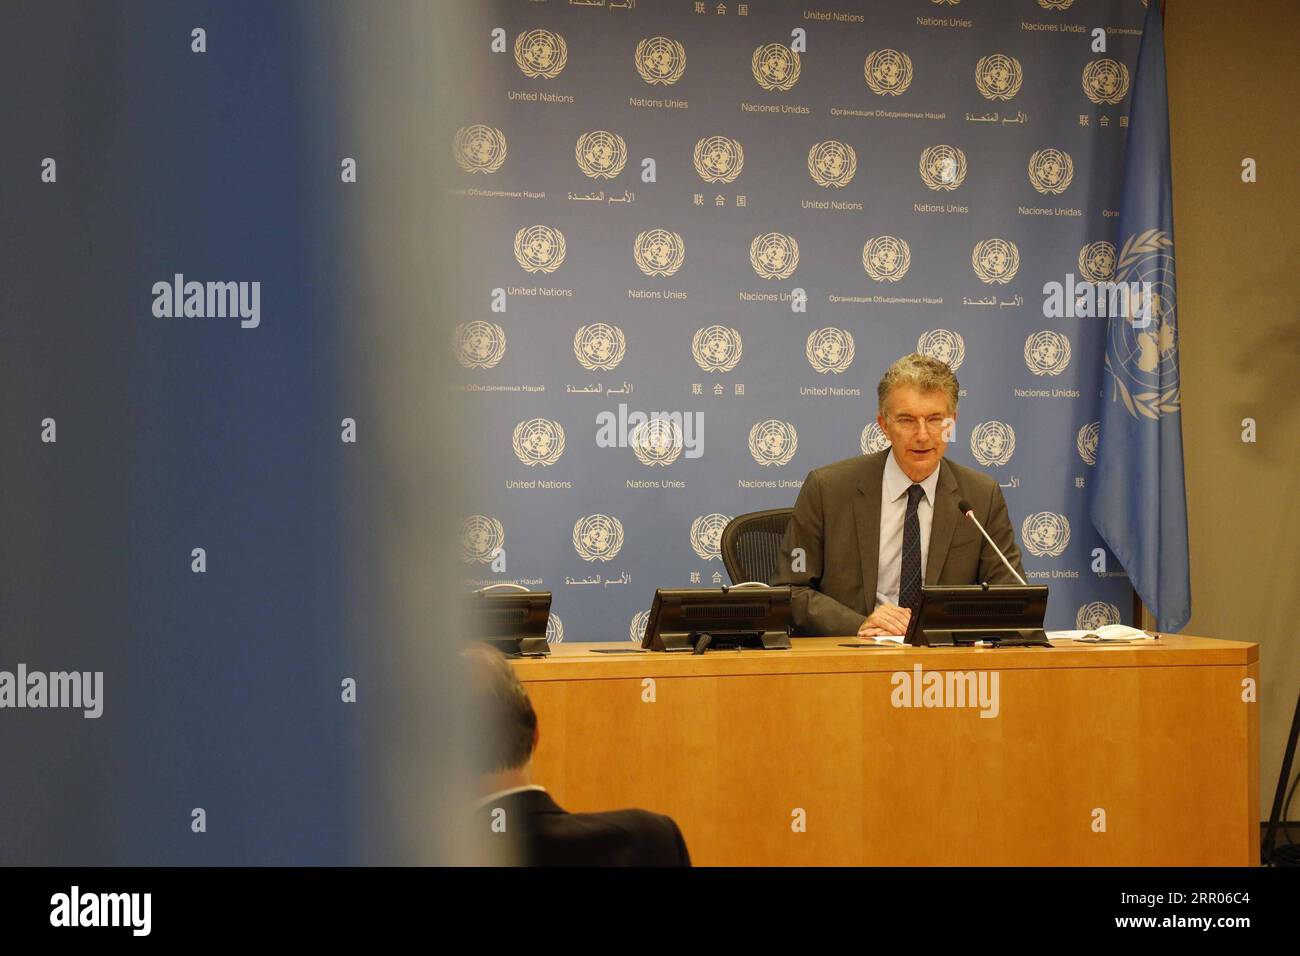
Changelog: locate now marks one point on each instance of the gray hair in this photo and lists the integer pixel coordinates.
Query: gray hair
(921, 372)
(503, 705)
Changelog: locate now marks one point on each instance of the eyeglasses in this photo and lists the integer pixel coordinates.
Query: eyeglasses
(911, 424)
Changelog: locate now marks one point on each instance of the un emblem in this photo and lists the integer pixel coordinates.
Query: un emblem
(657, 441)
(719, 159)
(773, 442)
(1047, 352)
(832, 163)
(942, 167)
(480, 344)
(1051, 170)
(1097, 261)
(599, 347)
(598, 537)
(830, 350)
(636, 629)
(554, 629)
(539, 248)
(600, 154)
(993, 443)
(873, 439)
(998, 77)
(538, 441)
(716, 348)
(886, 258)
(1086, 441)
(888, 72)
(995, 260)
(1057, 4)
(481, 538)
(660, 60)
(774, 255)
(1142, 359)
(479, 148)
(948, 347)
(1096, 614)
(1045, 534)
(1105, 81)
(541, 54)
(659, 252)
(706, 535)
(776, 67)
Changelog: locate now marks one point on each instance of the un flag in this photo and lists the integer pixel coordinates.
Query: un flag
(1139, 504)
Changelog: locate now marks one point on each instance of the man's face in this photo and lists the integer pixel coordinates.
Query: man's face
(918, 425)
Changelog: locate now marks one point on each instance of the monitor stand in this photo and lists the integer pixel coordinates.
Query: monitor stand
(1000, 637)
(697, 642)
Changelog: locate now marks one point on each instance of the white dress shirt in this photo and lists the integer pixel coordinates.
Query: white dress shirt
(893, 509)
(492, 797)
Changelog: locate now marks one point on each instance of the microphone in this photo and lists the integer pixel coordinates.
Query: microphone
(964, 507)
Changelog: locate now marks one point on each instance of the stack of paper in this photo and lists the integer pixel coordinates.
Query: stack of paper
(1108, 634)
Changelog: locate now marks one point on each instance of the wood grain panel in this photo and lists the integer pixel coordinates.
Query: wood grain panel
(735, 743)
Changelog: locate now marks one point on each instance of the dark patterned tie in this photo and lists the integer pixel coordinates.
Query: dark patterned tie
(909, 579)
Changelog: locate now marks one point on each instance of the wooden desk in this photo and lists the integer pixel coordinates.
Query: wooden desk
(736, 742)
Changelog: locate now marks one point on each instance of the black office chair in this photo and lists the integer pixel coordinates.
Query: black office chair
(751, 545)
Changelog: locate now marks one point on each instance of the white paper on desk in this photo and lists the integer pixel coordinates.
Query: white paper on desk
(1109, 632)
(886, 638)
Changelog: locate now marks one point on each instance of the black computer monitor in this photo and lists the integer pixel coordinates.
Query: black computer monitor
(1004, 614)
(514, 622)
(694, 619)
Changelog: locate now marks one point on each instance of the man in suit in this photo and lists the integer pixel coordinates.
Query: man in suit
(517, 817)
(872, 528)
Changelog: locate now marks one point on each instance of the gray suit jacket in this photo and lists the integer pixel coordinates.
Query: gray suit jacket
(837, 523)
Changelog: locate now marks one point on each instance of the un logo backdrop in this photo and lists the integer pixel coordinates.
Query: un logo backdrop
(699, 234)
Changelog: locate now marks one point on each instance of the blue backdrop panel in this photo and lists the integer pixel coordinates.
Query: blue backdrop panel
(931, 165)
